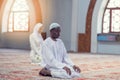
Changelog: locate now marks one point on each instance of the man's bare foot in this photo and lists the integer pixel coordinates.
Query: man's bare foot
(45, 72)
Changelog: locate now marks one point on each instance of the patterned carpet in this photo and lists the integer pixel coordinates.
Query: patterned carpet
(15, 65)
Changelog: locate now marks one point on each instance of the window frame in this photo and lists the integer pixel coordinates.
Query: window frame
(110, 23)
(11, 11)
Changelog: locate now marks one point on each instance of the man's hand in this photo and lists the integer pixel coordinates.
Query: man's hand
(77, 69)
(67, 70)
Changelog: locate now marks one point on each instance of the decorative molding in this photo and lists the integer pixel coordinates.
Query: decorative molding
(84, 40)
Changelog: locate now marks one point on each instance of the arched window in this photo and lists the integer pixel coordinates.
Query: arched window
(111, 18)
(19, 16)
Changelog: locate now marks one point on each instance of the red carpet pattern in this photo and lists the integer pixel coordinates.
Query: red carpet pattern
(15, 65)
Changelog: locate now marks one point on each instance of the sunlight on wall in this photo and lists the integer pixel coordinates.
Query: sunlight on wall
(6, 10)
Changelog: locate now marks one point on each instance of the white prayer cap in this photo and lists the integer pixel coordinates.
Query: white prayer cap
(54, 25)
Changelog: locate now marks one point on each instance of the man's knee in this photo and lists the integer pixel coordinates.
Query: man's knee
(75, 74)
(60, 74)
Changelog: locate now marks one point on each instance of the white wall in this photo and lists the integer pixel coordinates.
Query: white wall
(95, 26)
(79, 12)
(63, 15)
(59, 11)
(82, 12)
(109, 47)
(47, 13)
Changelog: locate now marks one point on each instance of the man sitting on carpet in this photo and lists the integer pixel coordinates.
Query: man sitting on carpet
(55, 56)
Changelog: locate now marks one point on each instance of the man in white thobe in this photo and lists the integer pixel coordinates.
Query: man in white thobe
(56, 58)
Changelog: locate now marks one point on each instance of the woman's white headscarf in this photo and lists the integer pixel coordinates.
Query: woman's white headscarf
(37, 27)
(36, 41)
(36, 32)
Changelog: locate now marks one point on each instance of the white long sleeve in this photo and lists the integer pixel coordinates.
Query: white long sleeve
(34, 44)
(66, 58)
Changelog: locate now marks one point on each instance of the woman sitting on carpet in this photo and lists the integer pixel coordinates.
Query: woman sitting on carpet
(36, 41)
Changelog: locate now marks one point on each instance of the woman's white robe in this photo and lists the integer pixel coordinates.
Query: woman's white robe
(36, 42)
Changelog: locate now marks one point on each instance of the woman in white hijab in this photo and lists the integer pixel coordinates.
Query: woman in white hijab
(36, 41)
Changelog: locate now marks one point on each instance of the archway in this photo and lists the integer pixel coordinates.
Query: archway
(84, 40)
(19, 40)
(97, 23)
